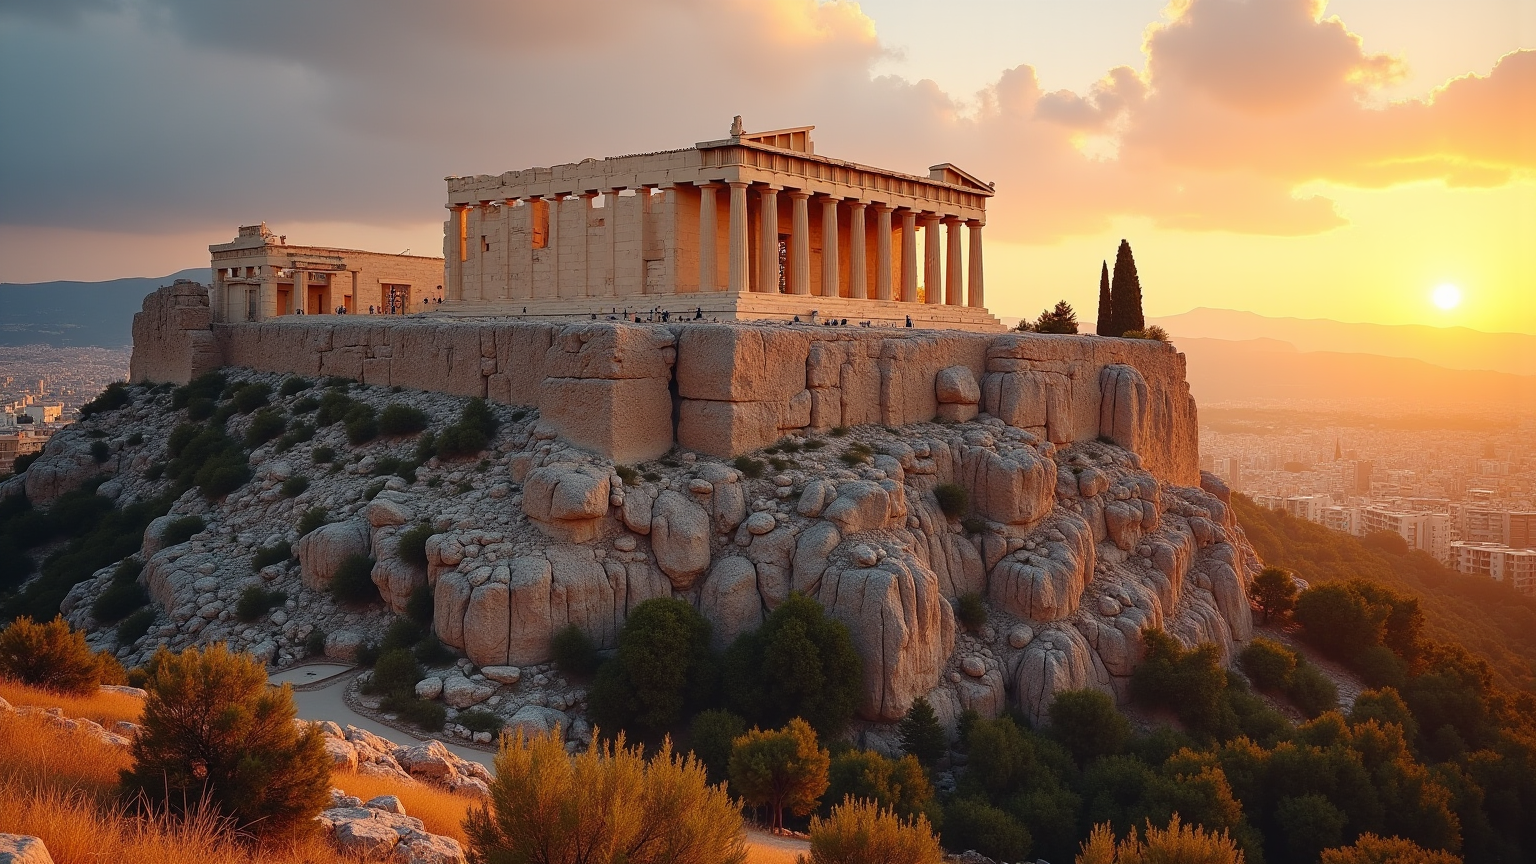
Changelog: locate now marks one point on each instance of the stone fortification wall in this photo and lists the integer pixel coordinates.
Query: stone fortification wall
(630, 391)
(171, 336)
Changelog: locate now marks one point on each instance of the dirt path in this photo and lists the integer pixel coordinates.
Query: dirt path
(766, 848)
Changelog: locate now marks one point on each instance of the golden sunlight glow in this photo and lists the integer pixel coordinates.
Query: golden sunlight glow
(1446, 296)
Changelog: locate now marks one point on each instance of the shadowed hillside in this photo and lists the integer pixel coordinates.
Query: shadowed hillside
(78, 314)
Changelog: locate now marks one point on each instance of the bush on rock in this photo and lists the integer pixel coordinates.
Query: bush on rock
(799, 663)
(663, 670)
(53, 656)
(213, 730)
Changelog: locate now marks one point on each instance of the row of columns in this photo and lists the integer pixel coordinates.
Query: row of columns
(954, 286)
(950, 287)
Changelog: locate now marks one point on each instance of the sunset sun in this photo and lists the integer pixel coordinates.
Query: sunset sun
(1446, 297)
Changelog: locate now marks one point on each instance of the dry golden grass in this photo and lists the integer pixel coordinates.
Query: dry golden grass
(36, 755)
(103, 707)
(61, 786)
(440, 810)
(765, 848)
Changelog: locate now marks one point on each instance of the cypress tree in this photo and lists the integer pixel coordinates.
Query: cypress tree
(1106, 320)
(1125, 294)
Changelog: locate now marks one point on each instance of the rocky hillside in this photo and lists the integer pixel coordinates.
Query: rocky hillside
(1075, 548)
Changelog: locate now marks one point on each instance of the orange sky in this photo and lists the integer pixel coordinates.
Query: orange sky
(1280, 156)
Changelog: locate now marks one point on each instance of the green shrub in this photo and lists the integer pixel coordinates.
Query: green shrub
(574, 652)
(396, 671)
(861, 830)
(470, 435)
(922, 737)
(265, 426)
(432, 652)
(114, 397)
(1188, 682)
(361, 425)
(52, 656)
(953, 500)
(181, 529)
(100, 451)
(334, 406)
(973, 525)
(628, 475)
(971, 611)
(250, 397)
(1268, 664)
(799, 663)
(972, 823)
(749, 467)
(1311, 691)
(402, 633)
(322, 455)
(313, 518)
(256, 600)
(24, 461)
(305, 405)
(298, 433)
(314, 643)
(133, 628)
(401, 420)
(853, 458)
(200, 408)
(424, 714)
(663, 671)
(205, 386)
(294, 486)
(222, 474)
(413, 544)
(478, 720)
(215, 734)
(337, 382)
(118, 601)
(1087, 723)
(135, 439)
(373, 490)
(710, 737)
(292, 385)
(352, 583)
(277, 553)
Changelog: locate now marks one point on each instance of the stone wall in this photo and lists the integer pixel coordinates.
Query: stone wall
(171, 336)
(630, 391)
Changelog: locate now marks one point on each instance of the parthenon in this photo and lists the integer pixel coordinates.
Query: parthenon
(800, 236)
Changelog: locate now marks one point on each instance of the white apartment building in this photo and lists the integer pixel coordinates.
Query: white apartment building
(1428, 532)
(1308, 507)
(1497, 562)
(1344, 519)
(1513, 528)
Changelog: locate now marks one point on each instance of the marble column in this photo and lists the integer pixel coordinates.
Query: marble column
(800, 242)
(643, 199)
(858, 276)
(974, 294)
(584, 286)
(954, 271)
(709, 264)
(883, 252)
(933, 270)
(298, 299)
(553, 253)
(610, 242)
(909, 256)
(739, 279)
(829, 240)
(768, 258)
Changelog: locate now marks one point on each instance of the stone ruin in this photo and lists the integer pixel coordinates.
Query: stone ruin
(1088, 522)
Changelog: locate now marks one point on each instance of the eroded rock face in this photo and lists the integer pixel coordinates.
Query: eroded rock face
(321, 551)
(680, 531)
(901, 624)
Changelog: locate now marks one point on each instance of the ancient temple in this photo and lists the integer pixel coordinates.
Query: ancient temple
(752, 226)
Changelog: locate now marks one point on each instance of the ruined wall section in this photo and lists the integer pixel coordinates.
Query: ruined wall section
(627, 392)
(171, 336)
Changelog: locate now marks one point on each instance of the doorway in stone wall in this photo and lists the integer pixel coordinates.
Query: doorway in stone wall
(314, 304)
(397, 299)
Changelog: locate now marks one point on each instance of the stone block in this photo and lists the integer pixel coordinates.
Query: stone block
(732, 364)
(626, 420)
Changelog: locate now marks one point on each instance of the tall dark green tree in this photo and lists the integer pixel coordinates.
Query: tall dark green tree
(1125, 294)
(1106, 320)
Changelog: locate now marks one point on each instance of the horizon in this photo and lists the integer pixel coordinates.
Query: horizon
(1354, 163)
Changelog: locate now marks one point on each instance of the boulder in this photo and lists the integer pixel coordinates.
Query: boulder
(502, 674)
(394, 577)
(386, 804)
(815, 498)
(1016, 487)
(860, 505)
(460, 692)
(343, 645)
(566, 501)
(810, 562)
(582, 593)
(1058, 659)
(901, 625)
(322, 551)
(956, 385)
(384, 512)
(429, 687)
(533, 720)
(530, 624)
(680, 531)
(730, 600)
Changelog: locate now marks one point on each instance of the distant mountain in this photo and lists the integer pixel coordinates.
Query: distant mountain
(1449, 347)
(78, 314)
(1223, 370)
